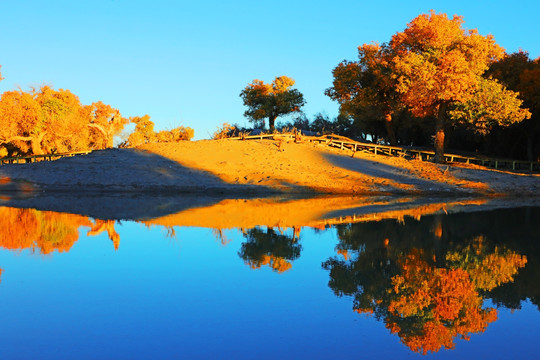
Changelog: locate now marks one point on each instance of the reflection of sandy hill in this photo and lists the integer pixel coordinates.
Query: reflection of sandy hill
(415, 211)
(316, 212)
(248, 213)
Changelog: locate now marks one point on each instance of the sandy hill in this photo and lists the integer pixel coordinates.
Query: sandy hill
(257, 167)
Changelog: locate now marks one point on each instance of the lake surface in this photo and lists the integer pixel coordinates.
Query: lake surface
(437, 285)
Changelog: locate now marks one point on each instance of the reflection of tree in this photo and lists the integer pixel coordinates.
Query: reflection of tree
(44, 231)
(220, 236)
(524, 236)
(429, 306)
(425, 279)
(47, 231)
(269, 248)
(105, 225)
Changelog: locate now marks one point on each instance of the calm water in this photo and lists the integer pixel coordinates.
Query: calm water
(462, 286)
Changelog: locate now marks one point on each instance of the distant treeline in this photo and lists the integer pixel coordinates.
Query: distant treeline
(434, 83)
(44, 121)
(365, 119)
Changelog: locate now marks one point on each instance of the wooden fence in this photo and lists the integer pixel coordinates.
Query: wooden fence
(345, 143)
(342, 143)
(35, 158)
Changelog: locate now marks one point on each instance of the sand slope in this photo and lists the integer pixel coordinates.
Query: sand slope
(257, 167)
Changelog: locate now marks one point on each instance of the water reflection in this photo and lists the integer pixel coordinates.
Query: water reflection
(422, 272)
(47, 231)
(269, 248)
(428, 279)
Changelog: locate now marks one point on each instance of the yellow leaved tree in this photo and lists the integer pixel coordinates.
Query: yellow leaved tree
(268, 101)
(439, 65)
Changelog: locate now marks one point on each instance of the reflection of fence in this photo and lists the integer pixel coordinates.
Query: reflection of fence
(345, 143)
(35, 158)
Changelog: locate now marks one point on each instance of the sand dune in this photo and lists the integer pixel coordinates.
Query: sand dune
(256, 167)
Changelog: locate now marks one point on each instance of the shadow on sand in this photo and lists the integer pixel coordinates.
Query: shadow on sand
(121, 170)
(379, 170)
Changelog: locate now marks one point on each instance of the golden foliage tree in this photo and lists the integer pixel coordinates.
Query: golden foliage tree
(438, 64)
(63, 120)
(20, 121)
(366, 86)
(224, 131)
(105, 122)
(268, 101)
(45, 120)
(490, 105)
(144, 133)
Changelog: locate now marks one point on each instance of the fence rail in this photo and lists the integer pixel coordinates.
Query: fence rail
(340, 142)
(36, 158)
(345, 143)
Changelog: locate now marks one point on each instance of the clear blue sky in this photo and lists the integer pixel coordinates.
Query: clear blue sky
(185, 62)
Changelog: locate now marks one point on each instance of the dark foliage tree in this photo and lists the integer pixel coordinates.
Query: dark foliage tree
(269, 101)
(521, 74)
(365, 90)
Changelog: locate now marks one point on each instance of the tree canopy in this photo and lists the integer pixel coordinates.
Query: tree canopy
(439, 65)
(521, 74)
(435, 69)
(268, 101)
(45, 120)
(365, 88)
(144, 133)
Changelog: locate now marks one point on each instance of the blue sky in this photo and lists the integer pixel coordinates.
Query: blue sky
(185, 63)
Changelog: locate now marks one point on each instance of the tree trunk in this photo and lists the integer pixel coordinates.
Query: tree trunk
(271, 121)
(106, 140)
(439, 135)
(35, 142)
(36, 147)
(390, 129)
(530, 146)
(109, 139)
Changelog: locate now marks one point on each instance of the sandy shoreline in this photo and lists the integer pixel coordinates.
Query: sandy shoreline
(273, 211)
(237, 168)
(226, 183)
